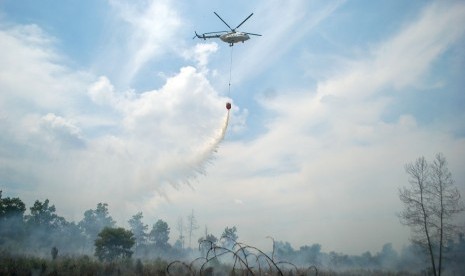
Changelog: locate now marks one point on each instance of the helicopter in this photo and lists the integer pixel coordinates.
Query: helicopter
(230, 37)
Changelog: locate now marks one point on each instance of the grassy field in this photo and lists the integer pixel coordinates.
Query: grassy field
(85, 265)
(82, 265)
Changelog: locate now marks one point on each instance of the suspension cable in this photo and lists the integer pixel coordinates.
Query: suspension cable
(230, 71)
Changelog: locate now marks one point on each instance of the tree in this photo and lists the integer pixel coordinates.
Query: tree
(70, 239)
(211, 238)
(114, 243)
(388, 257)
(311, 254)
(138, 228)
(229, 236)
(43, 225)
(11, 207)
(416, 201)
(160, 234)
(180, 228)
(95, 220)
(205, 243)
(430, 203)
(192, 226)
(283, 250)
(11, 219)
(43, 216)
(448, 203)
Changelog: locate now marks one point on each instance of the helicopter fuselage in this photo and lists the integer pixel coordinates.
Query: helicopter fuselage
(234, 37)
(229, 37)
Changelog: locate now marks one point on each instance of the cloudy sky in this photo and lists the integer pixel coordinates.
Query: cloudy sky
(113, 101)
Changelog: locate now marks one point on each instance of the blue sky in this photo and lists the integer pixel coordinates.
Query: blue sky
(113, 101)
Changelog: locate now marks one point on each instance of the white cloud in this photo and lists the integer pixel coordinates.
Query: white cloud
(103, 144)
(165, 138)
(412, 51)
(281, 27)
(153, 29)
(29, 69)
(346, 108)
(102, 91)
(328, 167)
(60, 131)
(201, 54)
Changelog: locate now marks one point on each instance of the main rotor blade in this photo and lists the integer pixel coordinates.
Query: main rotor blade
(244, 21)
(216, 32)
(223, 21)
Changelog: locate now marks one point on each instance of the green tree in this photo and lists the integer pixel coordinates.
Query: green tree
(430, 203)
(95, 220)
(139, 229)
(160, 234)
(114, 243)
(205, 243)
(11, 219)
(44, 226)
(11, 207)
(43, 216)
(211, 238)
(229, 236)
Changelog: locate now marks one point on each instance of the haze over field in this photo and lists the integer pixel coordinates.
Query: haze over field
(112, 101)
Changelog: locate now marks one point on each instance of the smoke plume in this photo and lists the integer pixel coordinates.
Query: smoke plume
(196, 164)
(207, 152)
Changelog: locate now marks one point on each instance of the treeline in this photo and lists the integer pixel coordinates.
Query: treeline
(43, 233)
(412, 258)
